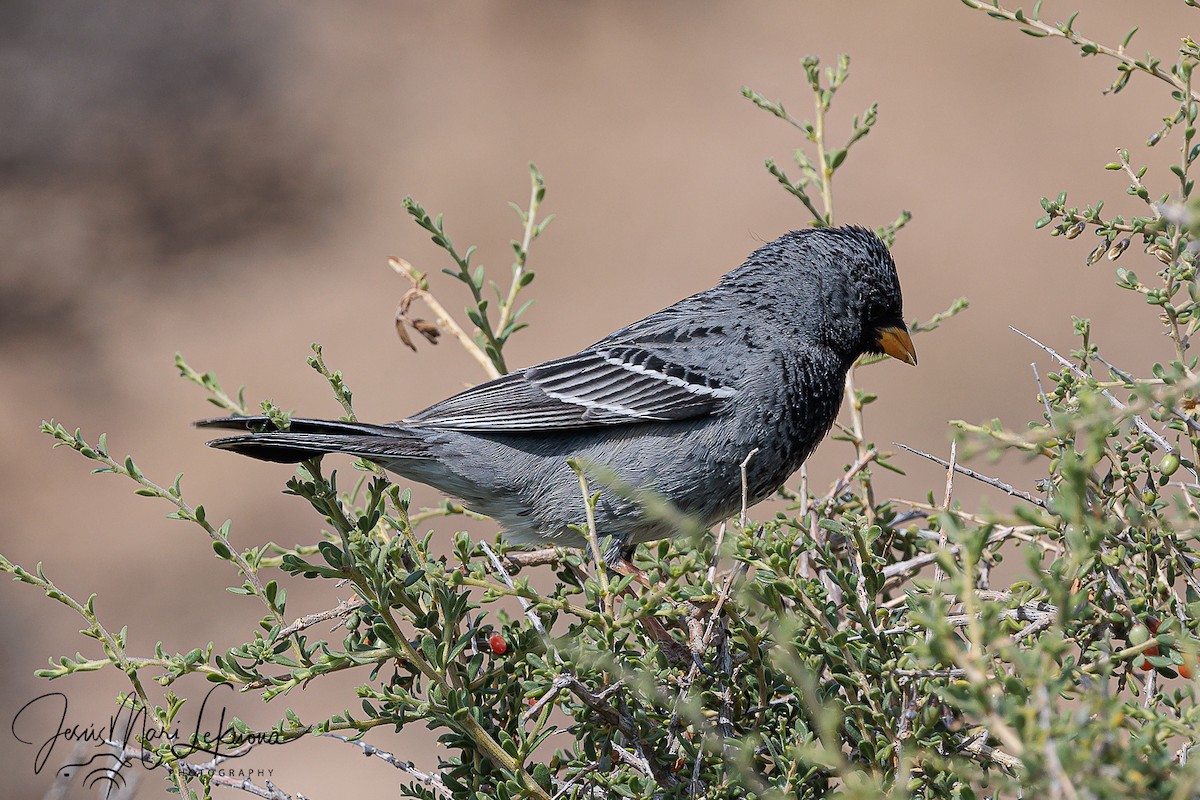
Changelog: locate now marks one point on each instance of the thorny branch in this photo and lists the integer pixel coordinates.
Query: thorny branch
(1141, 424)
(970, 473)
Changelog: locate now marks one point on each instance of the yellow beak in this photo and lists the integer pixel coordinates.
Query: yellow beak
(898, 344)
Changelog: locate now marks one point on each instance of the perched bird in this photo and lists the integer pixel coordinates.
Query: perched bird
(672, 404)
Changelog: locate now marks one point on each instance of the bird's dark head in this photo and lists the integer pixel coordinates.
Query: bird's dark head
(844, 281)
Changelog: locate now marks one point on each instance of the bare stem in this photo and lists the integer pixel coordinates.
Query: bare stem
(447, 321)
(1064, 31)
(970, 473)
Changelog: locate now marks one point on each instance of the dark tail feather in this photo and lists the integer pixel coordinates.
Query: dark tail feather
(261, 423)
(307, 438)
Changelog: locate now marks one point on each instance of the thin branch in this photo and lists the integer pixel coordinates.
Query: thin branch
(1060, 782)
(1162, 443)
(865, 454)
(949, 672)
(970, 473)
(712, 567)
(1026, 612)
(911, 566)
(1192, 424)
(622, 722)
(1062, 31)
(431, 780)
(1037, 626)
(593, 791)
(1136, 182)
(939, 574)
(843, 482)
(530, 233)
(535, 558)
(593, 537)
(1042, 392)
(633, 759)
(1030, 534)
(530, 611)
(745, 486)
(975, 746)
(343, 608)
(417, 277)
(743, 518)
(900, 571)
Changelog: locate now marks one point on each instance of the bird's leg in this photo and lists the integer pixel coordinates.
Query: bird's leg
(625, 566)
(676, 651)
(693, 626)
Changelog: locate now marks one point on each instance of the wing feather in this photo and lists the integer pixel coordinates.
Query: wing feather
(613, 385)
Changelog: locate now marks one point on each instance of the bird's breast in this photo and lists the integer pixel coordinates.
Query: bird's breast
(792, 414)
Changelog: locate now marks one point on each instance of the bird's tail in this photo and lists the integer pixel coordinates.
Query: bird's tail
(306, 438)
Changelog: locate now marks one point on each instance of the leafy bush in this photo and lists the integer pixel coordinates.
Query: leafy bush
(851, 644)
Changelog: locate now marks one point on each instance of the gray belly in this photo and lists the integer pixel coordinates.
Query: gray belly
(524, 482)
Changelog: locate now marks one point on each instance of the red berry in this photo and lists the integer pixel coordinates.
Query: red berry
(498, 645)
(1184, 671)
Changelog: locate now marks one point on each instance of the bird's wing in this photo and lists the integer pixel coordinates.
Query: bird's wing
(608, 384)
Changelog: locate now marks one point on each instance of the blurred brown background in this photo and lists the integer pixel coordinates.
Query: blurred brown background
(225, 180)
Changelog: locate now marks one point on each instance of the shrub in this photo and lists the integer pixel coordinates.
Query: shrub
(851, 644)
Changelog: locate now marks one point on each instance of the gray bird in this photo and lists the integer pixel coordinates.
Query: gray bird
(672, 404)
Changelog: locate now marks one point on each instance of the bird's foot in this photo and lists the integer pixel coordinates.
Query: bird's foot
(676, 652)
(627, 567)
